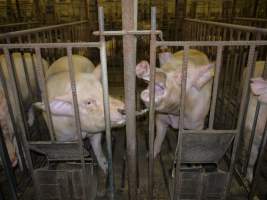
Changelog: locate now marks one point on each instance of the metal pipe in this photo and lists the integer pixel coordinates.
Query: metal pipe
(129, 22)
(130, 32)
(5, 162)
(178, 150)
(77, 120)
(104, 76)
(44, 92)
(17, 108)
(152, 102)
(40, 29)
(215, 86)
(232, 26)
(241, 116)
(52, 45)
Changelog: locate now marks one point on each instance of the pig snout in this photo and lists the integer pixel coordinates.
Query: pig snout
(142, 70)
(117, 112)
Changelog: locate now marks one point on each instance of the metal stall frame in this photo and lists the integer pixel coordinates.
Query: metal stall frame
(19, 35)
(50, 147)
(241, 115)
(17, 26)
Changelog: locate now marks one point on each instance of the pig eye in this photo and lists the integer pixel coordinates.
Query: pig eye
(90, 102)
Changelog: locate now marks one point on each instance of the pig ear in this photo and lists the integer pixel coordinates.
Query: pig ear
(204, 75)
(259, 88)
(142, 70)
(97, 72)
(164, 57)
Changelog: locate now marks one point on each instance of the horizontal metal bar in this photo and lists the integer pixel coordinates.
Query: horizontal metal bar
(50, 142)
(212, 43)
(250, 19)
(232, 26)
(16, 24)
(210, 131)
(51, 45)
(39, 29)
(124, 32)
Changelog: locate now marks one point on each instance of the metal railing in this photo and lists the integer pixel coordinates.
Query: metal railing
(17, 26)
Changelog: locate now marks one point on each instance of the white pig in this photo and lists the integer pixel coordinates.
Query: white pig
(168, 91)
(259, 92)
(90, 100)
(5, 120)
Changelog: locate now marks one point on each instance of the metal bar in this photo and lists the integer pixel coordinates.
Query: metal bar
(104, 76)
(152, 102)
(129, 22)
(44, 92)
(258, 164)
(233, 26)
(12, 118)
(213, 43)
(215, 85)
(51, 45)
(128, 32)
(77, 119)
(241, 116)
(40, 29)
(17, 108)
(5, 162)
(178, 150)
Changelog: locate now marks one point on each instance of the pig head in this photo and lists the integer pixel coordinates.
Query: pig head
(90, 105)
(168, 91)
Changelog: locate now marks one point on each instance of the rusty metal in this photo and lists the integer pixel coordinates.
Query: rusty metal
(129, 22)
(104, 76)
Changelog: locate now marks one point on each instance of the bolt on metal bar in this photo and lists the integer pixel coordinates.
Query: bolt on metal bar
(215, 85)
(241, 118)
(178, 150)
(129, 22)
(77, 119)
(104, 76)
(152, 102)
(44, 92)
(17, 108)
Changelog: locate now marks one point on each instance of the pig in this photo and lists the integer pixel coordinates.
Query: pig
(90, 101)
(259, 92)
(5, 120)
(168, 91)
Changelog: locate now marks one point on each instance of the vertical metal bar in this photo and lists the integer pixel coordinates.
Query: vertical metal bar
(241, 116)
(44, 92)
(178, 151)
(12, 118)
(18, 116)
(129, 22)
(215, 85)
(77, 120)
(106, 99)
(5, 162)
(152, 102)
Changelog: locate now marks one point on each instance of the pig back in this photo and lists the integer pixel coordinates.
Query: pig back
(195, 59)
(30, 61)
(80, 63)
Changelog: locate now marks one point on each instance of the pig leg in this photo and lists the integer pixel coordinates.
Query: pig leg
(162, 123)
(97, 148)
